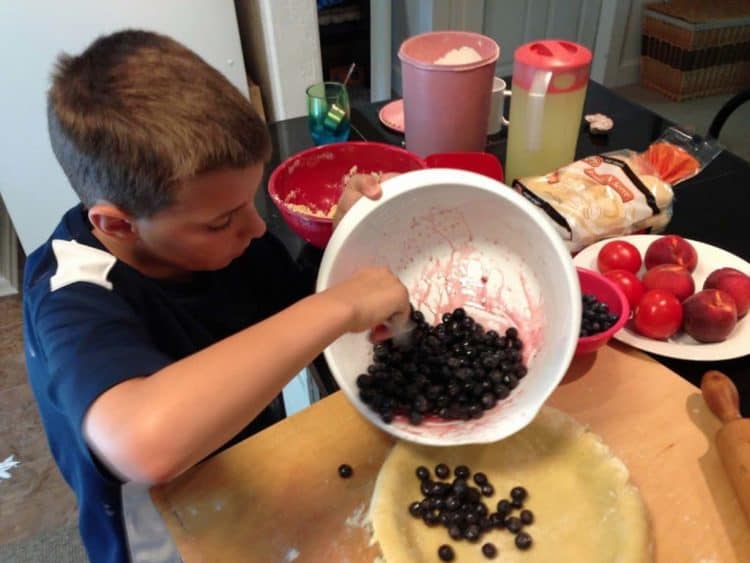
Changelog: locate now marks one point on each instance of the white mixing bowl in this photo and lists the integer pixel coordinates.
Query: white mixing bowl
(459, 239)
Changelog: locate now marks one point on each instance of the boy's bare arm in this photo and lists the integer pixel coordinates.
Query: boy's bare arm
(151, 429)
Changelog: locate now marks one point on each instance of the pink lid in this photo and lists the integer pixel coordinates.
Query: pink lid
(558, 56)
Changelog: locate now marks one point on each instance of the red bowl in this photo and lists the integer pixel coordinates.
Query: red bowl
(607, 292)
(314, 178)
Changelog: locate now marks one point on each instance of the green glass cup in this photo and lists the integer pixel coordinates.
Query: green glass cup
(328, 112)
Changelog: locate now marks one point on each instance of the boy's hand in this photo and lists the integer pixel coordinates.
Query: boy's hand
(373, 295)
(358, 185)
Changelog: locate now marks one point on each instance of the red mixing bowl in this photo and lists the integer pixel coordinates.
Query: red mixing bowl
(312, 181)
(607, 292)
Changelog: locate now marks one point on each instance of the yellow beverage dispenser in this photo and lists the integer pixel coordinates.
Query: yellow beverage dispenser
(550, 78)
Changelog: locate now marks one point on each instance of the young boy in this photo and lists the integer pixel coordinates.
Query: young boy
(161, 320)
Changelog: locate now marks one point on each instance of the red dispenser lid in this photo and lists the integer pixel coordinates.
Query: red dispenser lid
(569, 63)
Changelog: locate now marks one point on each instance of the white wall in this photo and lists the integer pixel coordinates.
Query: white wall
(408, 17)
(32, 33)
(619, 43)
(282, 50)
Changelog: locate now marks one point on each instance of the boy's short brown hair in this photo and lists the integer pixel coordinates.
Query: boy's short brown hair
(137, 112)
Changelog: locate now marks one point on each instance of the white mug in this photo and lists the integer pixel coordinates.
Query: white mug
(496, 119)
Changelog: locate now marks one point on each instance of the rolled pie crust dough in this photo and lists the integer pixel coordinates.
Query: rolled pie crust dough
(585, 509)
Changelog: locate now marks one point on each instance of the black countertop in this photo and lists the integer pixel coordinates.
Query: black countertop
(713, 207)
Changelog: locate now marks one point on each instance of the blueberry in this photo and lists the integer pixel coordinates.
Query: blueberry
(523, 540)
(462, 472)
(527, 517)
(472, 533)
(345, 471)
(425, 487)
(472, 495)
(415, 418)
(513, 524)
(480, 478)
(415, 509)
(459, 484)
(438, 489)
(421, 404)
(488, 490)
(430, 518)
(489, 550)
(423, 473)
(445, 552)
(518, 493)
(455, 532)
(501, 391)
(504, 507)
(442, 470)
(364, 380)
(452, 503)
(497, 520)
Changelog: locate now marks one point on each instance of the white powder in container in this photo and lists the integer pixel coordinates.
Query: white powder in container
(460, 56)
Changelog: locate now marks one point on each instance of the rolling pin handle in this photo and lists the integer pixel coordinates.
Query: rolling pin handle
(721, 395)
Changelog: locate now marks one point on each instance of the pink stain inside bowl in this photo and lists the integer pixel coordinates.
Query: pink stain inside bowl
(495, 288)
(493, 285)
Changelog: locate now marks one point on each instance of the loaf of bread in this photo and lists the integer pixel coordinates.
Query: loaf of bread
(601, 196)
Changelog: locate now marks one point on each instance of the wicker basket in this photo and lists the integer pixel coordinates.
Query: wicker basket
(695, 48)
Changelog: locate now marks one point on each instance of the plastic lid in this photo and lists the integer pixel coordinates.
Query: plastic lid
(555, 65)
(553, 54)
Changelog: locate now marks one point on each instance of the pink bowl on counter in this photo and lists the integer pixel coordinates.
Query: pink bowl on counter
(314, 178)
(607, 292)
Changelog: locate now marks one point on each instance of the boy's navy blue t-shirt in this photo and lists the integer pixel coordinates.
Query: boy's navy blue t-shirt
(91, 322)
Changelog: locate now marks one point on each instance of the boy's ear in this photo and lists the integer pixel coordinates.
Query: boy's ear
(112, 221)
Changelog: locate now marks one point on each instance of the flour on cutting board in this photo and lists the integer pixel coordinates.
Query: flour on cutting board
(7, 465)
(291, 555)
(358, 518)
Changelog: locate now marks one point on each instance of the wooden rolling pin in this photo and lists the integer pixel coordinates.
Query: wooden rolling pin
(733, 438)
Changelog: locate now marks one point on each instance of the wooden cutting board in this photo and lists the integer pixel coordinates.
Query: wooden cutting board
(278, 497)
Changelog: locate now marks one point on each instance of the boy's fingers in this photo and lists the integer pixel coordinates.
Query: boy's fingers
(365, 184)
(372, 189)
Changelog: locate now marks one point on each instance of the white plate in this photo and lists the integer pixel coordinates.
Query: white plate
(681, 345)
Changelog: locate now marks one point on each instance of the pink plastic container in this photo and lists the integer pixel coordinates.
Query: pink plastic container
(606, 291)
(446, 106)
(479, 162)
